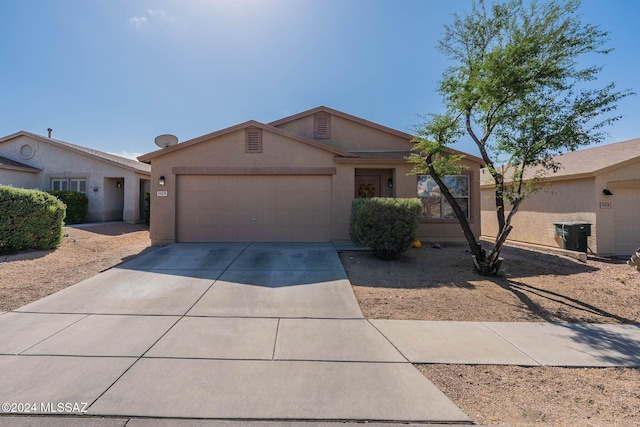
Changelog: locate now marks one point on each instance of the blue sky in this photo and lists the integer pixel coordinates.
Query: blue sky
(113, 74)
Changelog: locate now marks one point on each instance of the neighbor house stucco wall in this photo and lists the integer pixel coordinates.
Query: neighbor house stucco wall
(19, 179)
(556, 201)
(58, 162)
(606, 207)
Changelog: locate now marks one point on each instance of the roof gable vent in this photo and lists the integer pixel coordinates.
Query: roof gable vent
(322, 126)
(253, 140)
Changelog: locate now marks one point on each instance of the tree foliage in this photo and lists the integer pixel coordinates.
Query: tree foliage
(518, 87)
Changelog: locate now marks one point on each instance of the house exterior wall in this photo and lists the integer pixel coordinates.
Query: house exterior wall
(607, 206)
(19, 179)
(349, 135)
(557, 201)
(58, 162)
(227, 151)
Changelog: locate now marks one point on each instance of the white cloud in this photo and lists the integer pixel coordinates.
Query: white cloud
(161, 14)
(127, 154)
(152, 16)
(138, 20)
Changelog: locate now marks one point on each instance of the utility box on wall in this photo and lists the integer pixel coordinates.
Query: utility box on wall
(573, 235)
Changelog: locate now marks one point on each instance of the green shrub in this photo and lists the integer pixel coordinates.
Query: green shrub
(29, 220)
(387, 226)
(77, 205)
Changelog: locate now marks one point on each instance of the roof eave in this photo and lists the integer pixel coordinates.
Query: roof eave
(147, 158)
(63, 146)
(19, 169)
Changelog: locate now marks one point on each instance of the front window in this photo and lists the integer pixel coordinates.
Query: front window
(65, 184)
(77, 185)
(434, 204)
(60, 184)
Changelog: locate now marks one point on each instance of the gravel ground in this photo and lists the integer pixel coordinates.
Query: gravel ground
(439, 284)
(430, 284)
(84, 252)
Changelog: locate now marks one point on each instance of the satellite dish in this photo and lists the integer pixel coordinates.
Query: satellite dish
(166, 140)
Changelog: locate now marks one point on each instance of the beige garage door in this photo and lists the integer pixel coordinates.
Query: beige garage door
(248, 208)
(627, 205)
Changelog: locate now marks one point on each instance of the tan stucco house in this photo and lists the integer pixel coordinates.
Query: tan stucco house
(599, 186)
(292, 180)
(115, 186)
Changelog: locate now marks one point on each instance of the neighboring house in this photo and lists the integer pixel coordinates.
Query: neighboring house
(599, 186)
(293, 180)
(115, 186)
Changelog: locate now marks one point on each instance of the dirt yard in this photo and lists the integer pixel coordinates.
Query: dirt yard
(433, 284)
(84, 252)
(439, 284)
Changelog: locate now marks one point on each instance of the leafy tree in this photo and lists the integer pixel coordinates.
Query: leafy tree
(519, 90)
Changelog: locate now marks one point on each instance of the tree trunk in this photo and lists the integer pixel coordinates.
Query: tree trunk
(485, 265)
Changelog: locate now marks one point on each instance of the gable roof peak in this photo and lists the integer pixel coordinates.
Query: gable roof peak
(100, 155)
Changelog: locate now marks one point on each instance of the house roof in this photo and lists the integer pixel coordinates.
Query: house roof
(588, 162)
(13, 165)
(100, 155)
(323, 109)
(249, 124)
(272, 127)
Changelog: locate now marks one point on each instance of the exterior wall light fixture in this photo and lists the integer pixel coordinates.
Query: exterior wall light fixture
(607, 192)
(390, 182)
(161, 180)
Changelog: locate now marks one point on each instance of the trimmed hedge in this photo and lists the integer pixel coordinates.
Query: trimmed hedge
(29, 220)
(387, 226)
(77, 205)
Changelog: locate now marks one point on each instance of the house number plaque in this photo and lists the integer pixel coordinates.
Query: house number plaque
(162, 193)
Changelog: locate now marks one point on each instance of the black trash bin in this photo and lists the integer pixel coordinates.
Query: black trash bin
(573, 235)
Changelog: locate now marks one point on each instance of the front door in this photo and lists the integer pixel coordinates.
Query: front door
(367, 186)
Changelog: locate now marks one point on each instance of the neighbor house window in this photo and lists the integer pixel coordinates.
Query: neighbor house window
(69, 184)
(77, 185)
(434, 204)
(60, 184)
(322, 126)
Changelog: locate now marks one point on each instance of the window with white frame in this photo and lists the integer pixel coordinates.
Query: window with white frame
(434, 204)
(69, 184)
(77, 185)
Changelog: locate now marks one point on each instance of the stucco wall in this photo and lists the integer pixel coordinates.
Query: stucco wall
(57, 162)
(606, 206)
(349, 135)
(560, 201)
(226, 151)
(19, 179)
(278, 151)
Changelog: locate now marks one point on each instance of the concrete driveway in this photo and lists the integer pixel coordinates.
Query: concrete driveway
(213, 331)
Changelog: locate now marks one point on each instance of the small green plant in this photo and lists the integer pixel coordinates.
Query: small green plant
(387, 226)
(77, 205)
(31, 220)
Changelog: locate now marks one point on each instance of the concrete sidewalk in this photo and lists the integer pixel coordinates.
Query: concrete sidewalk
(253, 333)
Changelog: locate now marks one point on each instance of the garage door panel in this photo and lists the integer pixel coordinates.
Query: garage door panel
(253, 208)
